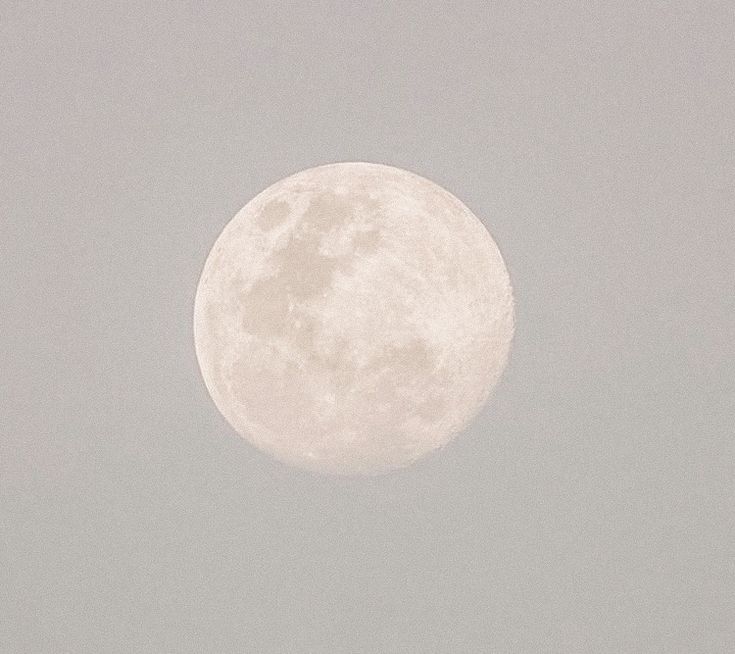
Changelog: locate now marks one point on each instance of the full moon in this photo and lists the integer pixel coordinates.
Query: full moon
(352, 318)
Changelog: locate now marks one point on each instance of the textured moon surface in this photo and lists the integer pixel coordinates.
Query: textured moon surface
(352, 318)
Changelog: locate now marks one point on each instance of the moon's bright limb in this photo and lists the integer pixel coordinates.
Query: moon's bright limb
(352, 318)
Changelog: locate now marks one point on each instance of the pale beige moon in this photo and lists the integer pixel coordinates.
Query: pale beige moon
(352, 318)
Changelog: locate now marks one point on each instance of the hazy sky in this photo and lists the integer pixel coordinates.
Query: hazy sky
(590, 508)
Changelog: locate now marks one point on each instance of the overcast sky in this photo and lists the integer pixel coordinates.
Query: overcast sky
(590, 506)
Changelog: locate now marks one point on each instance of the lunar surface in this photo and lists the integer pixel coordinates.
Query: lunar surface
(352, 318)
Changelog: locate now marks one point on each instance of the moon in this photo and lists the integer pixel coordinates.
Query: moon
(352, 318)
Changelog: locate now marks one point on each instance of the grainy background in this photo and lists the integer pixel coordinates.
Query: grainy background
(589, 509)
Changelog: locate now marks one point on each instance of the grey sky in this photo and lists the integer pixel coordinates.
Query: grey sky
(588, 509)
